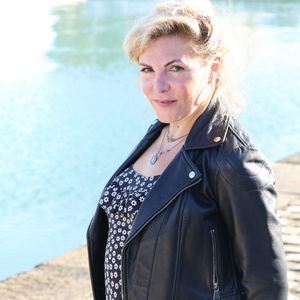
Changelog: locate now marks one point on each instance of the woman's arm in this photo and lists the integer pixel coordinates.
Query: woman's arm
(247, 201)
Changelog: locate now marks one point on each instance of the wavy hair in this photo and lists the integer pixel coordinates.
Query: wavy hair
(197, 22)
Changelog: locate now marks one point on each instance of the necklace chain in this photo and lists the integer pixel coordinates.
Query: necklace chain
(156, 155)
(170, 139)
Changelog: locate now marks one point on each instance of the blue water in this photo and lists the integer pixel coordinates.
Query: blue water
(71, 110)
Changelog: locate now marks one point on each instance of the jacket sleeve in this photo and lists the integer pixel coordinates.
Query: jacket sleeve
(247, 201)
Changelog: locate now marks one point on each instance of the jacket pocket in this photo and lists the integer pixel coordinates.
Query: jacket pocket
(215, 278)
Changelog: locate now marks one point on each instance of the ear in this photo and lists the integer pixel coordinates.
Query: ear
(214, 68)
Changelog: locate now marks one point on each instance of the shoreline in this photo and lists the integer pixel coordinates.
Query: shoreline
(66, 276)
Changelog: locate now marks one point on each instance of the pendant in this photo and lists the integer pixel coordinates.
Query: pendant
(154, 159)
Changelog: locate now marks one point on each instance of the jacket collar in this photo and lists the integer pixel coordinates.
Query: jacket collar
(209, 130)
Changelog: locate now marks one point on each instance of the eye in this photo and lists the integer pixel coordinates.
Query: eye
(146, 70)
(176, 68)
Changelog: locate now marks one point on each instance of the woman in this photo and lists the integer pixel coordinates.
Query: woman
(190, 214)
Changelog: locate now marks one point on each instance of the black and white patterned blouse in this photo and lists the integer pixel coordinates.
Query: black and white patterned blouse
(121, 201)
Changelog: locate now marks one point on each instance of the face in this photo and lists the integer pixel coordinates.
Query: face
(175, 81)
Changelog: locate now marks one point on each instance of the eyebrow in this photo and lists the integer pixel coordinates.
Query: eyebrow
(166, 65)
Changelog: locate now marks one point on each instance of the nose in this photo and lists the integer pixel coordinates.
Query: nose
(161, 83)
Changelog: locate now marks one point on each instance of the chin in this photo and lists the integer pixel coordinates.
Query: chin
(167, 119)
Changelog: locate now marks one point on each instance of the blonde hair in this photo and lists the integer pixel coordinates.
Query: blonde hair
(196, 21)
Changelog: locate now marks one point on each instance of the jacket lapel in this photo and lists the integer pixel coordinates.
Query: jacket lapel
(180, 174)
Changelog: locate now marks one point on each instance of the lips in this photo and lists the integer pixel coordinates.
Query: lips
(164, 103)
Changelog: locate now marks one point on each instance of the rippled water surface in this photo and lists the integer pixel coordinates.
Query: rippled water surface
(71, 109)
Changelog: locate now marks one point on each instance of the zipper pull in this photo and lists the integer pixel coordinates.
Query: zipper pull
(216, 295)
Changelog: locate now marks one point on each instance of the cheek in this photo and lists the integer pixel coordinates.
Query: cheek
(187, 90)
(145, 86)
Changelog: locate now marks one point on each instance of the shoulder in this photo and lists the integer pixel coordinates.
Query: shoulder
(240, 162)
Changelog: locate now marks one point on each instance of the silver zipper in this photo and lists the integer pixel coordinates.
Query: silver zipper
(216, 294)
(145, 224)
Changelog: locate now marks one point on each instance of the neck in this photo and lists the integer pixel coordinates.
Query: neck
(184, 125)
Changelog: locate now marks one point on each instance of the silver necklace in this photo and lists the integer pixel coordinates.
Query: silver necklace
(170, 139)
(156, 155)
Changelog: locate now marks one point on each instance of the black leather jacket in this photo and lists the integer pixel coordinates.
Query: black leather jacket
(207, 230)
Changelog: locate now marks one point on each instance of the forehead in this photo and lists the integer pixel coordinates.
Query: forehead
(167, 48)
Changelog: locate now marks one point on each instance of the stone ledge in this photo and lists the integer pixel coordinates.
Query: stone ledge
(65, 277)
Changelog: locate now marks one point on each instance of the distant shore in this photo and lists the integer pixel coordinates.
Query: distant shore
(66, 277)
